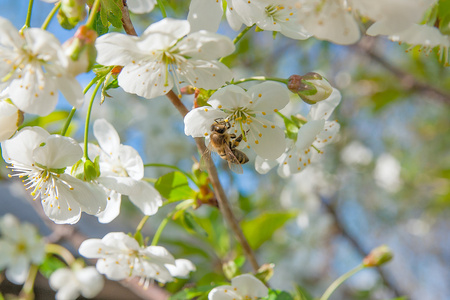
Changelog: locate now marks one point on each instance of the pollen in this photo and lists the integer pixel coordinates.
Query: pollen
(206, 109)
(260, 135)
(299, 168)
(70, 209)
(265, 126)
(214, 75)
(285, 163)
(206, 134)
(256, 142)
(273, 126)
(52, 93)
(248, 146)
(259, 95)
(220, 106)
(36, 95)
(275, 110)
(263, 113)
(287, 19)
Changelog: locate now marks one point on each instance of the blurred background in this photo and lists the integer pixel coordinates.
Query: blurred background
(384, 181)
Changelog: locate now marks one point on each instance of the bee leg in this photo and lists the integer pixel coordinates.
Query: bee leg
(237, 140)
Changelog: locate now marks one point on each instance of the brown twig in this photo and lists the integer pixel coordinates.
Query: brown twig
(355, 243)
(126, 21)
(224, 205)
(366, 46)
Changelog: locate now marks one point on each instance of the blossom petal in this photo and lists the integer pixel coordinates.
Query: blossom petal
(109, 45)
(141, 6)
(131, 161)
(168, 30)
(107, 137)
(181, 269)
(268, 97)
(263, 166)
(224, 292)
(206, 45)
(91, 282)
(9, 119)
(59, 278)
(9, 35)
(266, 139)
(308, 132)
(230, 97)
(205, 15)
(323, 109)
(21, 146)
(17, 271)
(197, 122)
(328, 134)
(146, 198)
(208, 75)
(249, 285)
(71, 89)
(148, 80)
(58, 152)
(112, 209)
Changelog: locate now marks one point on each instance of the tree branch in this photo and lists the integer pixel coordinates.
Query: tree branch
(222, 199)
(126, 21)
(366, 46)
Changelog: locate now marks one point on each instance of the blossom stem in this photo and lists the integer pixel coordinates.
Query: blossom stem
(172, 167)
(72, 112)
(29, 283)
(93, 13)
(339, 281)
(162, 8)
(28, 19)
(61, 252)
(142, 223)
(88, 117)
(260, 78)
(222, 199)
(51, 15)
(161, 228)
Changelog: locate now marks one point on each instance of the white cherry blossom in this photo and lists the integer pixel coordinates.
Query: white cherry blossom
(70, 284)
(164, 56)
(121, 170)
(120, 256)
(315, 134)
(245, 110)
(41, 159)
(242, 287)
(34, 66)
(20, 246)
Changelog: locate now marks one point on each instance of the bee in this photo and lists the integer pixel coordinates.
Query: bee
(225, 144)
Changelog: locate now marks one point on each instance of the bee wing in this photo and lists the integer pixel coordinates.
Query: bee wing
(233, 162)
(206, 158)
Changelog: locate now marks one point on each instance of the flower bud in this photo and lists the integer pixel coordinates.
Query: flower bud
(311, 87)
(81, 51)
(378, 256)
(10, 119)
(71, 13)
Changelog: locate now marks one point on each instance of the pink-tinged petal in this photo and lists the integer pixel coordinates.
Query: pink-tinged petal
(323, 109)
(34, 93)
(107, 137)
(224, 292)
(20, 147)
(141, 6)
(266, 139)
(230, 97)
(131, 161)
(332, 23)
(308, 132)
(263, 166)
(9, 35)
(71, 90)
(117, 49)
(208, 75)
(170, 30)
(197, 123)
(249, 285)
(147, 80)
(268, 97)
(205, 15)
(91, 282)
(328, 134)
(112, 209)
(58, 152)
(206, 45)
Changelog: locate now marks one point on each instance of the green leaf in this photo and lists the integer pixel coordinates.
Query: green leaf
(191, 293)
(279, 295)
(50, 265)
(192, 225)
(263, 227)
(302, 294)
(383, 98)
(111, 10)
(174, 186)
